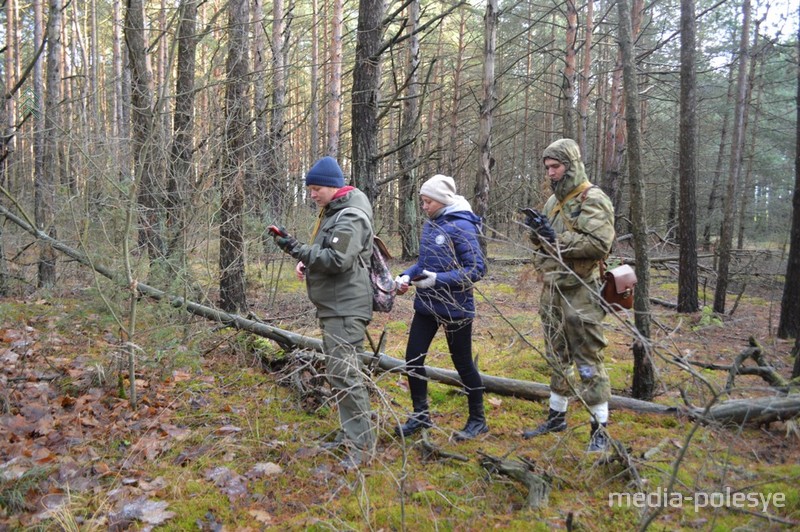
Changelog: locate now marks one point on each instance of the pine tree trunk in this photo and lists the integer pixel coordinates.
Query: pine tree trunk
(687, 222)
(734, 171)
(409, 130)
(790, 302)
(643, 371)
(485, 160)
(366, 96)
(231, 248)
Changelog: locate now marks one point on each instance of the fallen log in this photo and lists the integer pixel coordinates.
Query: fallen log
(757, 410)
(760, 410)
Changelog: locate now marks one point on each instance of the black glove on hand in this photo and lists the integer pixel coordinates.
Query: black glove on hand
(285, 241)
(540, 226)
(545, 230)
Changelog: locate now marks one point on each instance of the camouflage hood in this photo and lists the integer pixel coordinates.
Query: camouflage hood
(567, 152)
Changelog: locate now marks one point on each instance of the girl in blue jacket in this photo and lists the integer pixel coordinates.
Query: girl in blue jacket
(450, 262)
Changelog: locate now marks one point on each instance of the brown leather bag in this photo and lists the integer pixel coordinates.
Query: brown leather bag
(618, 287)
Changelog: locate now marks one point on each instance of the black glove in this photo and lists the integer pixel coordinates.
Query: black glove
(540, 225)
(284, 240)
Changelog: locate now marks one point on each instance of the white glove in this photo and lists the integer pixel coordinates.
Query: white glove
(401, 283)
(427, 282)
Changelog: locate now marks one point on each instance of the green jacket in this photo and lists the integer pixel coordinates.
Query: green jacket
(337, 282)
(584, 226)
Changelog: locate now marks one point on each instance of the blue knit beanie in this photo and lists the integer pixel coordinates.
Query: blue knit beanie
(325, 173)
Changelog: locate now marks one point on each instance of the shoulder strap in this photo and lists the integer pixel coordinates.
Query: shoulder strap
(581, 189)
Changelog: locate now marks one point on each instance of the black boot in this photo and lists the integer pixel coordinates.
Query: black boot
(420, 419)
(416, 422)
(556, 422)
(476, 422)
(599, 441)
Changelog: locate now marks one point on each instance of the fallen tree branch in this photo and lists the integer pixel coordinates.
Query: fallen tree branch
(763, 369)
(521, 470)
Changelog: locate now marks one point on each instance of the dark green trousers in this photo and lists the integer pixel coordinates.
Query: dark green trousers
(342, 339)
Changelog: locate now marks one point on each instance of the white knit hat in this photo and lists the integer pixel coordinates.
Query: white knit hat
(441, 188)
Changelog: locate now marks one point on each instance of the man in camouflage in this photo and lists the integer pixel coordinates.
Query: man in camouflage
(575, 232)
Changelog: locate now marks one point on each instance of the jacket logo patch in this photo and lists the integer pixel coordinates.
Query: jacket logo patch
(440, 239)
(340, 242)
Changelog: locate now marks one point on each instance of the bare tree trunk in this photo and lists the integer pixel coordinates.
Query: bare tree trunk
(712, 196)
(366, 96)
(614, 138)
(751, 126)
(568, 81)
(737, 141)
(789, 324)
(145, 142)
(39, 124)
(483, 181)
(276, 164)
(458, 70)
(231, 247)
(313, 151)
(45, 185)
(643, 371)
(687, 224)
(335, 81)
(584, 87)
(179, 176)
(8, 125)
(260, 179)
(120, 127)
(409, 131)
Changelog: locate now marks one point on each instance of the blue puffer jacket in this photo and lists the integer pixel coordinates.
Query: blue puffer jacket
(449, 246)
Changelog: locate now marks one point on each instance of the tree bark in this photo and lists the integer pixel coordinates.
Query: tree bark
(568, 81)
(734, 170)
(483, 179)
(45, 200)
(687, 166)
(145, 138)
(790, 302)
(231, 247)
(366, 96)
(179, 188)
(753, 99)
(275, 169)
(643, 371)
(334, 106)
(409, 130)
(584, 86)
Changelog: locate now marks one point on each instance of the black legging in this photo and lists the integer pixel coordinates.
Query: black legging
(459, 341)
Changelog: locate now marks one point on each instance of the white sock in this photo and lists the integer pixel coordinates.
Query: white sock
(600, 412)
(558, 402)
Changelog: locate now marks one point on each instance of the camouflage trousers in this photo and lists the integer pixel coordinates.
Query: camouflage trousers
(573, 331)
(342, 339)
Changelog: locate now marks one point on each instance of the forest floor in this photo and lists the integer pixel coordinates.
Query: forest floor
(218, 440)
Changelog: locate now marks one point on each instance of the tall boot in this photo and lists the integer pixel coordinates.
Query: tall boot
(421, 418)
(556, 422)
(599, 440)
(476, 422)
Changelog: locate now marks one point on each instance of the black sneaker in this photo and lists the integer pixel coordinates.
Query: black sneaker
(416, 422)
(556, 422)
(473, 428)
(599, 442)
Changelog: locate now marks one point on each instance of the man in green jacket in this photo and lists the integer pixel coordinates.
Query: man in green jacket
(575, 232)
(338, 284)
